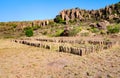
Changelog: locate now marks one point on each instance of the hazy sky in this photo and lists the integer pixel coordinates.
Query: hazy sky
(23, 10)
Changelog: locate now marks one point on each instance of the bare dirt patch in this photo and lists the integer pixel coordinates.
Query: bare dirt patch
(21, 61)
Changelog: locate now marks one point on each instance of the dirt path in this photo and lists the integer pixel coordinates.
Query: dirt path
(21, 61)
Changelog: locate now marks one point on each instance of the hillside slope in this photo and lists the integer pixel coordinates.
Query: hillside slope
(74, 19)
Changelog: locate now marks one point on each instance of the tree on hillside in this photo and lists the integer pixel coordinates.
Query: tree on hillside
(58, 19)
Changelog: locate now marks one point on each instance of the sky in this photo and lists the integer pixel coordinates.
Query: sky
(27, 10)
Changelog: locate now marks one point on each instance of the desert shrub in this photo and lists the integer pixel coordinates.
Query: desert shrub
(113, 29)
(44, 33)
(2, 23)
(85, 34)
(106, 39)
(36, 27)
(29, 32)
(73, 21)
(74, 31)
(26, 28)
(94, 30)
(51, 23)
(103, 32)
(13, 25)
(58, 32)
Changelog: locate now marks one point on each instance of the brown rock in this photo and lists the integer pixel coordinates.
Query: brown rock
(67, 18)
(93, 25)
(77, 14)
(103, 24)
(63, 14)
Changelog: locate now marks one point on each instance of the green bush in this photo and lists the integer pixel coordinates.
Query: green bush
(94, 30)
(58, 19)
(58, 32)
(29, 32)
(113, 29)
(117, 5)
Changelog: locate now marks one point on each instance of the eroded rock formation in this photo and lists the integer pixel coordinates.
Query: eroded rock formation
(111, 12)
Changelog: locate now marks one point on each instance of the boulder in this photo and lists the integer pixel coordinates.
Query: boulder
(103, 24)
(65, 32)
(93, 25)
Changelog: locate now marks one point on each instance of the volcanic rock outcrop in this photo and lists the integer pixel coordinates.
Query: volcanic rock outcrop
(109, 13)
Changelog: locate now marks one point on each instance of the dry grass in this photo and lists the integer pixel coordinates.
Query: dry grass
(21, 61)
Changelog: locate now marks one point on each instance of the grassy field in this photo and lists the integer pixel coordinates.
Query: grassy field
(22, 61)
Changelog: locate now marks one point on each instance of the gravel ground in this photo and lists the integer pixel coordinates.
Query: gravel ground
(21, 61)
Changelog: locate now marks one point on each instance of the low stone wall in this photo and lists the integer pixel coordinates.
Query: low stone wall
(85, 50)
(87, 47)
(41, 45)
(94, 42)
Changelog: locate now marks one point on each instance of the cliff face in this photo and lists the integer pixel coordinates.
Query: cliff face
(111, 12)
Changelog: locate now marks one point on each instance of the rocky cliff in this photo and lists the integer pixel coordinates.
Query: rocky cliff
(110, 13)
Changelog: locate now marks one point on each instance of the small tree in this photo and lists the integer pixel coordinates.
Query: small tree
(58, 19)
